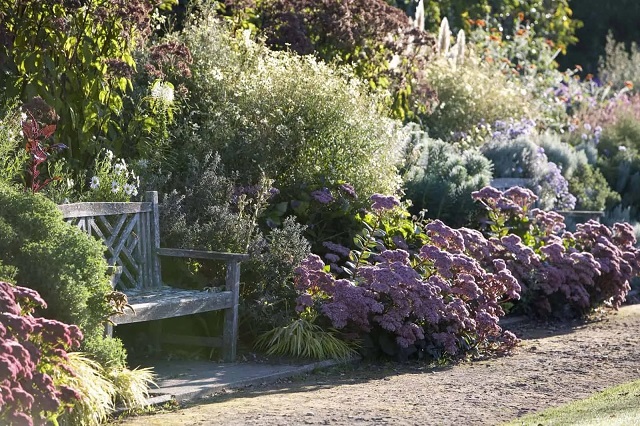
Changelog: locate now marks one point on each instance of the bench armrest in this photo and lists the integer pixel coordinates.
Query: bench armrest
(202, 254)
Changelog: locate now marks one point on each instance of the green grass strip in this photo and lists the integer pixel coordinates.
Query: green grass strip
(615, 406)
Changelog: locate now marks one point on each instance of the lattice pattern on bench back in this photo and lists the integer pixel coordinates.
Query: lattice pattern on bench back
(127, 230)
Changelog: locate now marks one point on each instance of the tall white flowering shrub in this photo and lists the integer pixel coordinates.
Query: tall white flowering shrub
(297, 120)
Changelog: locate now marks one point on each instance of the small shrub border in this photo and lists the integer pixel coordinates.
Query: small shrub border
(445, 298)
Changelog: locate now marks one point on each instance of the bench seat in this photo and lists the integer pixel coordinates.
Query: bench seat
(170, 302)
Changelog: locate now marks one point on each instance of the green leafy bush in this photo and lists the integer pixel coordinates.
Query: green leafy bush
(202, 208)
(470, 94)
(619, 65)
(66, 266)
(443, 178)
(267, 293)
(12, 155)
(77, 56)
(293, 119)
(619, 159)
(586, 182)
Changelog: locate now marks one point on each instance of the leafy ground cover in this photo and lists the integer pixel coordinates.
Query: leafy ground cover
(554, 364)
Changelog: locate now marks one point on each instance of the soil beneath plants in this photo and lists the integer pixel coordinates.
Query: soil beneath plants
(554, 364)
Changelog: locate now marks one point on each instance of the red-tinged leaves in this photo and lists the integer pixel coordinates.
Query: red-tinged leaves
(39, 153)
(47, 131)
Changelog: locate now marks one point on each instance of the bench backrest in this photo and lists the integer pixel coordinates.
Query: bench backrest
(131, 233)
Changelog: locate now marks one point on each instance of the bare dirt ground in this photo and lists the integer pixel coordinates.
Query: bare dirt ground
(553, 365)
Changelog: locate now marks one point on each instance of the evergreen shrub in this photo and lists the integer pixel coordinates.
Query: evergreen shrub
(442, 179)
(66, 266)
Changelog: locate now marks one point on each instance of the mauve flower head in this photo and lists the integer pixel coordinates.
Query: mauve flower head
(337, 248)
(395, 256)
(322, 196)
(383, 202)
(444, 236)
(487, 194)
(348, 189)
(521, 196)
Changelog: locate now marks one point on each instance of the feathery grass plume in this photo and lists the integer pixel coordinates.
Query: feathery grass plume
(444, 38)
(96, 390)
(459, 48)
(303, 338)
(418, 21)
(132, 386)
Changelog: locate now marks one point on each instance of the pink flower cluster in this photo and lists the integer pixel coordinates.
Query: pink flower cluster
(442, 297)
(567, 273)
(29, 348)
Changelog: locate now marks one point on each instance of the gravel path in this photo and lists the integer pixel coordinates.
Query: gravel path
(553, 365)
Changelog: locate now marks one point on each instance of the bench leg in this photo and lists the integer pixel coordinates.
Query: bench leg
(155, 331)
(230, 333)
(108, 329)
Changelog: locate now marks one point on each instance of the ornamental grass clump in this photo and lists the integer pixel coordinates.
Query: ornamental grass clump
(436, 301)
(33, 349)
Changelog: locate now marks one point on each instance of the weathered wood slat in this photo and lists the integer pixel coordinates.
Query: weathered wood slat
(201, 254)
(92, 226)
(102, 209)
(169, 302)
(115, 232)
(154, 238)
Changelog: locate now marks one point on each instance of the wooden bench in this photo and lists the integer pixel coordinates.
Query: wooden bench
(131, 233)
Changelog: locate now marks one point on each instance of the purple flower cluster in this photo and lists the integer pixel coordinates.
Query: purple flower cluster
(568, 272)
(29, 348)
(348, 189)
(443, 298)
(323, 196)
(512, 129)
(381, 202)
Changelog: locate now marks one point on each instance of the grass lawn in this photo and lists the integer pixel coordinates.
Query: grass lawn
(619, 405)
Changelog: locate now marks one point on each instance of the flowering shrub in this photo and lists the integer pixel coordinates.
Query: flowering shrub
(469, 94)
(514, 154)
(33, 349)
(438, 300)
(310, 126)
(112, 180)
(378, 41)
(560, 273)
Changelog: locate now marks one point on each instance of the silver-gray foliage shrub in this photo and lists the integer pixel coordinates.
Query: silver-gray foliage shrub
(441, 179)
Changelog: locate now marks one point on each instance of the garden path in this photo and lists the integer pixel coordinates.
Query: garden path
(553, 365)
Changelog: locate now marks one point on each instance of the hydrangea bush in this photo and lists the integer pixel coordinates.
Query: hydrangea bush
(33, 349)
